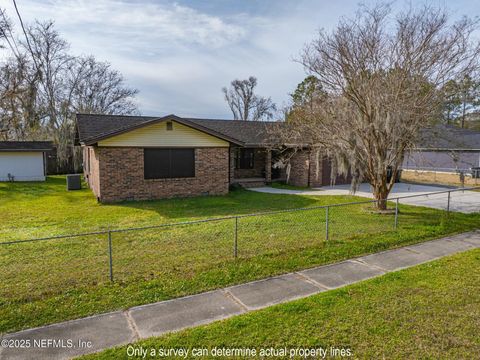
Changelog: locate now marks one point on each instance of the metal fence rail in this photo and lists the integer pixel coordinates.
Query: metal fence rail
(244, 235)
(441, 169)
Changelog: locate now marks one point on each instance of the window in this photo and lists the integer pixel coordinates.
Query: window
(169, 125)
(244, 158)
(169, 163)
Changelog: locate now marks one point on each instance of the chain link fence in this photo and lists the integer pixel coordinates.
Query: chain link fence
(31, 269)
(35, 267)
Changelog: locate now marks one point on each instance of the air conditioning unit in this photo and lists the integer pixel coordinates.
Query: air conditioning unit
(74, 182)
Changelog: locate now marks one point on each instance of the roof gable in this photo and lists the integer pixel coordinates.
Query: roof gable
(156, 134)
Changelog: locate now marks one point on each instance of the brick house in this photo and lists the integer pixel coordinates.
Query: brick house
(141, 158)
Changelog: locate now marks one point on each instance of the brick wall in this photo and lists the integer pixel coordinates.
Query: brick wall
(299, 169)
(306, 169)
(268, 166)
(91, 169)
(316, 167)
(122, 176)
(231, 165)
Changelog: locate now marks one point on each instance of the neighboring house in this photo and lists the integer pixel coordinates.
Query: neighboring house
(23, 160)
(446, 148)
(139, 158)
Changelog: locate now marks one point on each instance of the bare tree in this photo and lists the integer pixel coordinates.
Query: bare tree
(19, 99)
(97, 88)
(382, 74)
(7, 39)
(94, 87)
(42, 87)
(243, 102)
(4, 26)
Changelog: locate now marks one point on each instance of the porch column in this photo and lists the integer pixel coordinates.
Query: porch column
(268, 166)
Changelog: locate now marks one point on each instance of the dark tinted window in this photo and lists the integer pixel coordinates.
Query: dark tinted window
(244, 158)
(169, 163)
(182, 163)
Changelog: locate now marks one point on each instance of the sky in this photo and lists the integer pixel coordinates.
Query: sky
(179, 54)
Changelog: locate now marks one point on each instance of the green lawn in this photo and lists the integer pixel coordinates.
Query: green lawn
(55, 280)
(431, 311)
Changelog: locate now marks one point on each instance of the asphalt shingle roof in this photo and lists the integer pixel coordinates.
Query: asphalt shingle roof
(91, 127)
(247, 132)
(447, 137)
(26, 145)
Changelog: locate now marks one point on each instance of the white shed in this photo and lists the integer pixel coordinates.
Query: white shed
(23, 160)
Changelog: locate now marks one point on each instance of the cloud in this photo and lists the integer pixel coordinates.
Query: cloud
(180, 54)
(164, 22)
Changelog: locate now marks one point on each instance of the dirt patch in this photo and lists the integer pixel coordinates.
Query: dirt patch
(437, 177)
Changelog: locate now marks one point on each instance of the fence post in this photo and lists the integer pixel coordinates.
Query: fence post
(235, 239)
(326, 223)
(448, 202)
(110, 262)
(396, 214)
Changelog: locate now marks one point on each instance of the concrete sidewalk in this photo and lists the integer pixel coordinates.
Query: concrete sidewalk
(73, 338)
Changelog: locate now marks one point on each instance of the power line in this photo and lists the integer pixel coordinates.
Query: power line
(26, 37)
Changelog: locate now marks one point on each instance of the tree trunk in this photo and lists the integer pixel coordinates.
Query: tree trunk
(380, 192)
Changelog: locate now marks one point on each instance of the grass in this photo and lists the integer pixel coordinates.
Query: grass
(44, 209)
(56, 280)
(431, 311)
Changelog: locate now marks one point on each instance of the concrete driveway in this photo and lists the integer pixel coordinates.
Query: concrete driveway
(461, 201)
